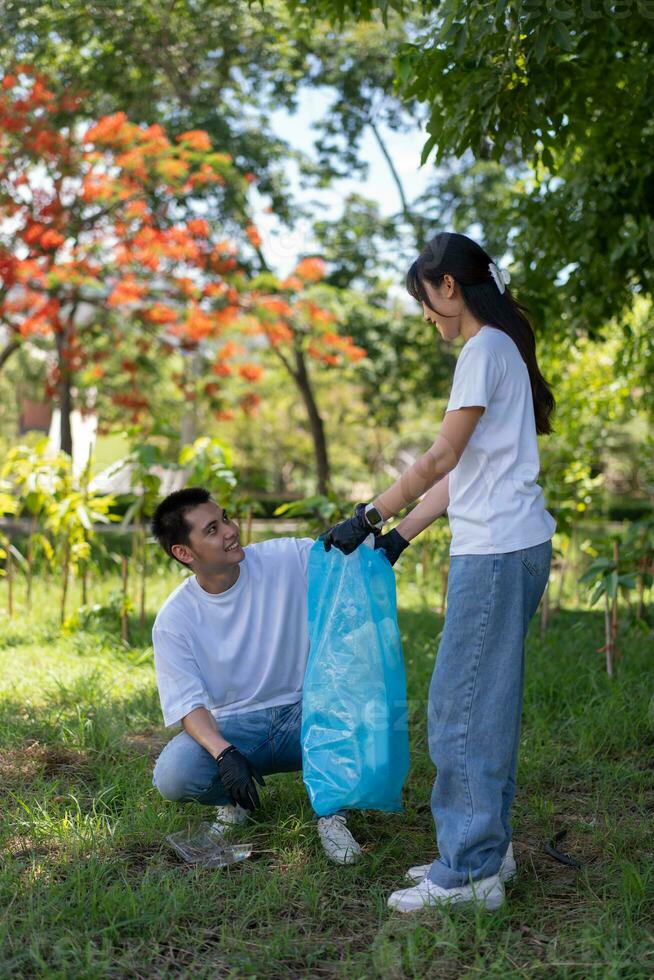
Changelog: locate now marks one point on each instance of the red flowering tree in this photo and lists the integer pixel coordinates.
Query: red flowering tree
(92, 239)
(107, 254)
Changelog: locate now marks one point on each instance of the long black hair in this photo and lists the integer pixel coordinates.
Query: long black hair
(468, 263)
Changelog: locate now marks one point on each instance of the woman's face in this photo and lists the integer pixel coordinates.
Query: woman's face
(444, 309)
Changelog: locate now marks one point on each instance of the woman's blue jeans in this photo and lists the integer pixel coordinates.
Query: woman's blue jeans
(268, 737)
(475, 707)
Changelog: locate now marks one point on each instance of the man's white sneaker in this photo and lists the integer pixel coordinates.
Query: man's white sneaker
(227, 817)
(508, 868)
(488, 892)
(338, 843)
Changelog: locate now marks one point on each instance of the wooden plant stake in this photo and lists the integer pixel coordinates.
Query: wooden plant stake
(425, 560)
(144, 572)
(30, 560)
(642, 564)
(545, 610)
(608, 635)
(249, 525)
(64, 579)
(614, 610)
(124, 632)
(10, 580)
(444, 590)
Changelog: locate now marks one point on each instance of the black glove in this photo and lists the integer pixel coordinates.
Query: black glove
(238, 775)
(393, 544)
(349, 534)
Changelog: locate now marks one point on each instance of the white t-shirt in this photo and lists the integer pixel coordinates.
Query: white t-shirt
(241, 650)
(496, 505)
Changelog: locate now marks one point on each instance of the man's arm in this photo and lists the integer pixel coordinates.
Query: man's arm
(201, 725)
(432, 505)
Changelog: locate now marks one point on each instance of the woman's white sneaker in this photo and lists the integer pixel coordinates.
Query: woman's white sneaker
(508, 868)
(488, 892)
(228, 816)
(338, 843)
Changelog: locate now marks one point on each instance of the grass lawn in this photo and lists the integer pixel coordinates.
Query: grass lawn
(90, 889)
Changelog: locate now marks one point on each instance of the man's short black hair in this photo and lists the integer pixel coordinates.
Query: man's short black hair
(169, 524)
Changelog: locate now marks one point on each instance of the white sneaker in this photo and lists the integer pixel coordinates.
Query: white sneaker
(508, 868)
(488, 892)
(338, 843)
(227, 817)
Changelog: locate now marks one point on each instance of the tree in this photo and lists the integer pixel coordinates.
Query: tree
(91, 225)
(561, 95)
(297, 328)
(198, 64)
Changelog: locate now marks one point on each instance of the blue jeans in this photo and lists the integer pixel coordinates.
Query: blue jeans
(268, 737)
(475, 707)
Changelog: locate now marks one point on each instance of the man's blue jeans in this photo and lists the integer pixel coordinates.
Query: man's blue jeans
(475, 707)
(268, 737)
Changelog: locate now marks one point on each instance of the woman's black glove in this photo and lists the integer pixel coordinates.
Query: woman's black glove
(238, 775)
(349, 534)
(393, 544)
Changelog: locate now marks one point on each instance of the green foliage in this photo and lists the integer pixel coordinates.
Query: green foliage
(628, 568)
(562, 94)
(319, 512)
(208, 462)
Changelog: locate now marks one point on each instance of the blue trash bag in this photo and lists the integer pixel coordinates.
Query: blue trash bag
(355, 741)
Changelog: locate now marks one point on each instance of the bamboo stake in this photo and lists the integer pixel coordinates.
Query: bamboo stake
(562, 573)
(249, 525)
(642, 564)
(10, 580)
(64, 582)
(545, 610)
(608, 648)
(124, 631)
(614, 610)
(425, 560)
(444, 575)
(30, 559)
(144, 572)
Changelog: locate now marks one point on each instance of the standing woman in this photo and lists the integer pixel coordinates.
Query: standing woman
(482, 468)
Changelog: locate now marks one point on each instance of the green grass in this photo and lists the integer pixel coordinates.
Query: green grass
(90, 889)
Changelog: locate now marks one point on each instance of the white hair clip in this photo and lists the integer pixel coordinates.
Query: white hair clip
(502, 279)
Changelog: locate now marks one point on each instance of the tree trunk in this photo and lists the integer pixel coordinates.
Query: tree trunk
(189, 428)
(65, 395)
(301, 377)
(10, 348)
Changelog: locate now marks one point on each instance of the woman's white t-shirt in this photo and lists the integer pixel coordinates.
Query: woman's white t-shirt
(496, 505)
(243, 649)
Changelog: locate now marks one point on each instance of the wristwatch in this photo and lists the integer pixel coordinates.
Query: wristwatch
(373, 517)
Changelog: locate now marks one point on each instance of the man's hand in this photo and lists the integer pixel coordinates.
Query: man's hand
(238, 777)
(349, 534)
(393, 544)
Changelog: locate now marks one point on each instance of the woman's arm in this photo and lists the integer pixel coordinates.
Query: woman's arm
(432, 505)
(439, 460)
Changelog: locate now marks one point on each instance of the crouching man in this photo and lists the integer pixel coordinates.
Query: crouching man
(230, 651)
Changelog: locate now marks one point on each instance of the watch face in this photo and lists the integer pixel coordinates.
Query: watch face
(373, 515)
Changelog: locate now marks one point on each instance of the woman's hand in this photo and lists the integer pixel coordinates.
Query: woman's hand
(392, 544)
(349, 534)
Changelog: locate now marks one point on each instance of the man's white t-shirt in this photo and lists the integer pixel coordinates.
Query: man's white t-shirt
(496, 505)
(243, 649)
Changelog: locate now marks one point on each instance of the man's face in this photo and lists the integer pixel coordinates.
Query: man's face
(211, 538)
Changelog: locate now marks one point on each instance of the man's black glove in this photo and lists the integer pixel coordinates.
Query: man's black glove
(349, 534)
(238, 775)
(392, 543)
